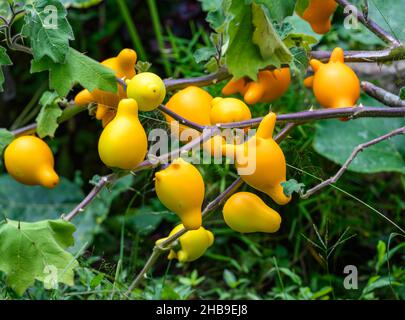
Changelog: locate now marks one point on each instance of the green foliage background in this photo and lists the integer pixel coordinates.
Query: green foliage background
(117, 232)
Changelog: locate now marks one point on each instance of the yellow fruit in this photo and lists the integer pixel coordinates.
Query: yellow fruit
(225, 110)
(269, 86)
(107, 102)
(335, 84)
(261, 162)
(318, 14)
(147, 89)
(180, 187)
(123, 143)
(29, 160)
(235, 86)
(245, 212)
(193, 244)
(192, 103)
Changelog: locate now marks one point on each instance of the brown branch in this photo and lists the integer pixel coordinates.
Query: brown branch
(90, 197)
(212, 78)
(181, 119)
(372, 26)
(311, 115)
(382, 95)
(379, 56)
(352, 156)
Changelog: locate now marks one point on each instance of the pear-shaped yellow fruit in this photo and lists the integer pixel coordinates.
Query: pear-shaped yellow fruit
(123, 143)
(193, 244)
(148, 89)
(180, 187)
(261, 162)
(245, 212)
(30, 161)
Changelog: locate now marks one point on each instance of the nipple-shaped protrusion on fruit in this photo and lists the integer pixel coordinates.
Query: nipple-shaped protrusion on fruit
(193, 244)
(180, 187)
(48, 177)
(261, 162)
(148, 89)
(225, 110)
(245, 212)
(30, 161)
(335, 85)
(127, 61)
(318, 14)
(123, 142)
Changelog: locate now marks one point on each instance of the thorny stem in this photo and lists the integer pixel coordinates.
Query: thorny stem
(372, 26)
(180, 119)
(211, 206)
(382, 95)
(352, 156)
(90, 197)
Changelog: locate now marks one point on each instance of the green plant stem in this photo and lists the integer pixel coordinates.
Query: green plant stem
(133, 32)
(22, 118)
(159, 35)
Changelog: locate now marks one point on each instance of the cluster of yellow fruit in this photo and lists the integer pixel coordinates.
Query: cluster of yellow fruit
(180, 187)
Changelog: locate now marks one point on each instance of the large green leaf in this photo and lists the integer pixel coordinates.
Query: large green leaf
(78, 68)
(36, 251)
(4, 61)
(47, 119)
(253, 42)
(25, 203)
(48, 29)
(336, 140)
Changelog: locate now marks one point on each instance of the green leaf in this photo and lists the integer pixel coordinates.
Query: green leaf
(36, 251)
(216, 16)
(78, 68)
(48, 29)
(47, 118)
(278, 9)
(142, 66)
(272, 46)
(230, 279)
(402, 93)
(301, 5)
(4, 61)
(34, 203)
(291, 186)
(5, 139)
(336, 140)
(381, 254)
(204, 54)
(253, 43)
(80, 4)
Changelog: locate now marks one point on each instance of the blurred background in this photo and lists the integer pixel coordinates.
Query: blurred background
(117, 232)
